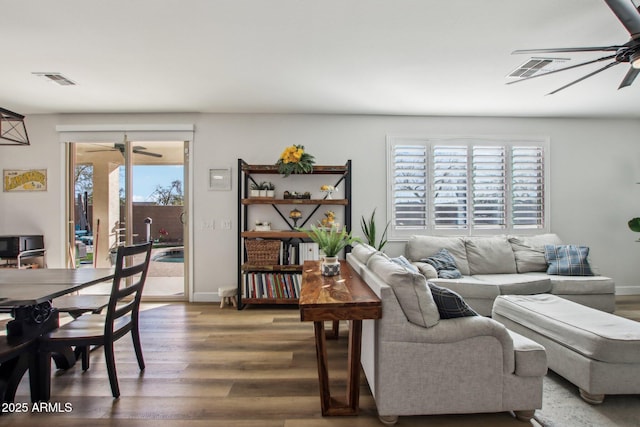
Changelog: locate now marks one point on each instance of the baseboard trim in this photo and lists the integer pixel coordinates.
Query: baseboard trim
(627, 290)
(205, 297)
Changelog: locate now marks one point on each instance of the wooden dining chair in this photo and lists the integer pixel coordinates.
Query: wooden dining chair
(121, 317)
(77, 305)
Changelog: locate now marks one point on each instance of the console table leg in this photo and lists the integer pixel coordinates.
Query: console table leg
(353, 373)
(323, 367)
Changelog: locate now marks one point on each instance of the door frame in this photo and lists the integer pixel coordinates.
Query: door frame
(156, 132)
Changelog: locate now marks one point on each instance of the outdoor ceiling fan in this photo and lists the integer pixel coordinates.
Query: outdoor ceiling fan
(628, 12)
(137, 149)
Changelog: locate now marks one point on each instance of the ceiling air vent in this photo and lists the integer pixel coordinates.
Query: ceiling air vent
(535, 66)
(57, 78)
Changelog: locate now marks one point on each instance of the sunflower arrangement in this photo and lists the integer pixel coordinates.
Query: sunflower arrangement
(295, 160)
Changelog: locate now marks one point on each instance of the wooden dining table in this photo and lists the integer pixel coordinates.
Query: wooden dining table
(28, 295)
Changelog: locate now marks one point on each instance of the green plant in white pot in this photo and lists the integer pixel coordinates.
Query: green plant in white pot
(331, 240)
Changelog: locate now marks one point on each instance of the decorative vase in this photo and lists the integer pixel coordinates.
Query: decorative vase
(330, 266)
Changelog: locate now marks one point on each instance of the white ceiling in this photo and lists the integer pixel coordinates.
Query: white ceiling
(414, 57)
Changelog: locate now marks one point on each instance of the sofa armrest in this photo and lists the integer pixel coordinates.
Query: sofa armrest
(530, 357)
(452, 331)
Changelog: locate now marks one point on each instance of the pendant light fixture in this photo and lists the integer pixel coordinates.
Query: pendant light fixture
(12, 128)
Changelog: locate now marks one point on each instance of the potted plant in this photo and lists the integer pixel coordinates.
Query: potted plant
(270, 189)
(331, 241)
(369, 230)
(295, 160)
(255, 190)
(634, 225)
(263, 189)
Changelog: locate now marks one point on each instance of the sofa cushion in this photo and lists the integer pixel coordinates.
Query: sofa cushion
(444, 264)
(470, 287)
(363, 252)
(450, 304)
(578, 285)
(529, 251)
(490, 255)
(567, 260)
(410, 289)
(419, 247)
(517, 284)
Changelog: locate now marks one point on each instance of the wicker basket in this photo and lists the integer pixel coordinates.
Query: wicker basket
(262, 252)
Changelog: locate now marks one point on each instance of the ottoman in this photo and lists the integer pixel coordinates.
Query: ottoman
(597, 351)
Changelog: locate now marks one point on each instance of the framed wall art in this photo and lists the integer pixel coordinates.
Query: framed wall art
(24, 180)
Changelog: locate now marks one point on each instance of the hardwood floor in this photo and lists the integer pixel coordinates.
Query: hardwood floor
(215, 367)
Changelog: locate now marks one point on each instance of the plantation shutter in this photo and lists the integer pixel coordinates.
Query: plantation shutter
(409, 186)
(527, 197)
(466, 185)
(450, 187)
(489, 187)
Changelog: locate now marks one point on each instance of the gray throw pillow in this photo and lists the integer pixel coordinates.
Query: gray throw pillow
(402, 261)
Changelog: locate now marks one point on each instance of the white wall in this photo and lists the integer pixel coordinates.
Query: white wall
(594, 167)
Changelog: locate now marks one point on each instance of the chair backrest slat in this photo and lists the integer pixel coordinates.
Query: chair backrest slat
(138, 256)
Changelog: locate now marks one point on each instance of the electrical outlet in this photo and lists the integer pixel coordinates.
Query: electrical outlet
(226, 224)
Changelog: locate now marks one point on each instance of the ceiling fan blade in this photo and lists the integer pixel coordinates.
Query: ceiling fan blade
(147, 153)
(628, 14)
(604, 58)
(629, 77)
(585, 77)
(570, 49)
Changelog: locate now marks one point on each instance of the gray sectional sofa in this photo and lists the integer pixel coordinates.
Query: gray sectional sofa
(418, 363)
(507, 265)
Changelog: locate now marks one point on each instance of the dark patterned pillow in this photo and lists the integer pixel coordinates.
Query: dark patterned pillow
(444, 263)
(567, 260)
(450, 304)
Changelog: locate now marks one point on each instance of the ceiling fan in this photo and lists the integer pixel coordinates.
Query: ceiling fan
(137, 149)
(628, 12)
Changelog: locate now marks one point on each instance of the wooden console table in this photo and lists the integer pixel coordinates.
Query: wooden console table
(335, 298)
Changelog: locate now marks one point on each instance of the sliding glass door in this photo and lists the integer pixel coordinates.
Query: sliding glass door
(130, 192)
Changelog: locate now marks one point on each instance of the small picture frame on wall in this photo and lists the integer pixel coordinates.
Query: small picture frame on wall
(220, 179)
(24, 180)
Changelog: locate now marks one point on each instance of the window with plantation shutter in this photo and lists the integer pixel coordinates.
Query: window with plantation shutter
(489, 187)
(527, 187)
(466, 185)
(449, 193)
(409, 187)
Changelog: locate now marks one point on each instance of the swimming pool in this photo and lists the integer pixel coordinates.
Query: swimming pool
(169, 255)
